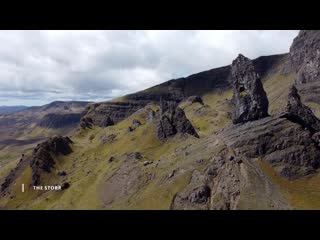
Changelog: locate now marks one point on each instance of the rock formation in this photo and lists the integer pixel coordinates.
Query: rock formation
(304, 56)
(300, 113)
(194, 99)
(42, 159)
(249, 98)
(107, 121)
(172, 121)
(135, 124)
(282, 143)
(304, 64)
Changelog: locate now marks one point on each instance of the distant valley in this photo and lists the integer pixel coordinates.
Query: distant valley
(8, 109)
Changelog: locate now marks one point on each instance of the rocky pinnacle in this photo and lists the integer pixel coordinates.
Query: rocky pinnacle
(172, 121)
(249, 100)
(300, 113)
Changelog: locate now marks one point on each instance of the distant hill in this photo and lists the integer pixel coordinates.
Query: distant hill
(9, 109)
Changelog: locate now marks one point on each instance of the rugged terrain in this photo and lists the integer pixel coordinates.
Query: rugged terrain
(243, 136)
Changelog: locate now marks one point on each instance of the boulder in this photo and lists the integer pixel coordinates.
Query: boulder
(62, 173)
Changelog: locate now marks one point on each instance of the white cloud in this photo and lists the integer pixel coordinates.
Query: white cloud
(37, 67)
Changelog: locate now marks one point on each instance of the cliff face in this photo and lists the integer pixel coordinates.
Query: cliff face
(55, 120)
(305, 56)
(304, 61)
(103, 114)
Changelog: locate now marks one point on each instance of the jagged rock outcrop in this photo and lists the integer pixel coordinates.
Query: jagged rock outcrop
(42, 160)
(304, 58)
(106, 122)
(107, 139)
(217, 187)
(194, 99)
(300, 113)
(249, 100)
(86, 122)
(172, 121)
(43, 156)
(55, 120)
(284, 144)
(135, 124)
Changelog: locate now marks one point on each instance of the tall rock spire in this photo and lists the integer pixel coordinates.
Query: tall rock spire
(250, 101)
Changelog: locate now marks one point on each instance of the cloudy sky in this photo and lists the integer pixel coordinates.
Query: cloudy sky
(37, 67)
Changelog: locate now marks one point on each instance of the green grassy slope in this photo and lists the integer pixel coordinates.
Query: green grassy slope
(126, 183)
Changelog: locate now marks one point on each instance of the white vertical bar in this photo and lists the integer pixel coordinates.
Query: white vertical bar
(22, 187)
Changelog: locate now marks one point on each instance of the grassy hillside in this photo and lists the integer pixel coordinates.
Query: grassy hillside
(114, 168)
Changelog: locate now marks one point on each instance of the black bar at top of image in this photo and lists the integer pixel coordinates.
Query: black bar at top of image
(160, 15)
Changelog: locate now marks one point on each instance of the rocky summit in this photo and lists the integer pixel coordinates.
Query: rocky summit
(242, 136)
(249, 98)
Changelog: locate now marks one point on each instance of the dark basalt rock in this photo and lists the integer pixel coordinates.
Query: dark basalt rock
(65, 185)
(134, 156)
(106, 122)
(304, 57)
(86, 122)
(135, 124)
(289, 172)
(300, 113)
(62, 173)
(111, 159)
(172, 121)
(107, 139)
(54, 120)
(249, 98)
(42, 159)
(195, 99)
(200, 195)
(277, 140)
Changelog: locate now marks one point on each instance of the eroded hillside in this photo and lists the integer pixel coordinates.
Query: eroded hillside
(201, 159)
